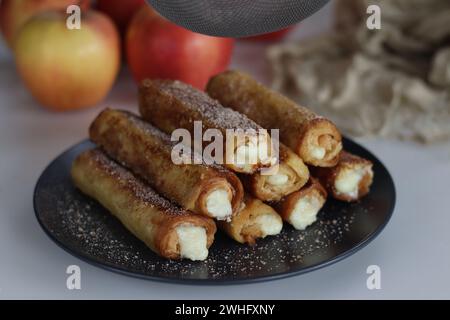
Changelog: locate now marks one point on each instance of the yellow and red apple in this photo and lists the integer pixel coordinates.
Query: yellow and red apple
(158, 48)
(68, 69)
(14, 13)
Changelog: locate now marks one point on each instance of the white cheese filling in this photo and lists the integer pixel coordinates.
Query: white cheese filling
(219, 205)
(348, 180)
(318, 153)
(269, 225)
(277, 179)
(305, 212)
(193, 242)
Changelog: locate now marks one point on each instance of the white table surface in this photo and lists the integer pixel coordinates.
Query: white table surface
(412, 252)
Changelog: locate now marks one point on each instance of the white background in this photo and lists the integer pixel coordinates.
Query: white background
(413, 251)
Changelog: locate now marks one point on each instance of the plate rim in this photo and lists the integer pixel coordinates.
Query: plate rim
(211, 282)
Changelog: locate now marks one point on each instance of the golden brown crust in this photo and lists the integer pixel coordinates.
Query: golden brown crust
(147, 152)
(286, 206)
(347, 161)
(291, 165)
(146, 214)
(300, 128)
(171, 105)
(242, 227)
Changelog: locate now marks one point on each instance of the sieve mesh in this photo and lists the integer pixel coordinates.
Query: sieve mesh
(236, 18)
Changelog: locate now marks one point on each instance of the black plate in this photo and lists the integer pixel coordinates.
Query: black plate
(83, 228)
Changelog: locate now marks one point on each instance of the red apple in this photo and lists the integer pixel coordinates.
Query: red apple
(68, 69)
(121, 11)
(271, 36)
(158, 48)
(14, 13)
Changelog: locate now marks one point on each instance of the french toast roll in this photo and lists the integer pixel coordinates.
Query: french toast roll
(349, 180)
(288, 176)
(300, 208)
(168, 230)
(315, 139)
(171, 105)
(255, 220)
(212, 191)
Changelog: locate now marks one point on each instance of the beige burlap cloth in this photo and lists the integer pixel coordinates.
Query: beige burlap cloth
(392, 82)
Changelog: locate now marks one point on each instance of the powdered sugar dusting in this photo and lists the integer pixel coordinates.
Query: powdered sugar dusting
(211, 110)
